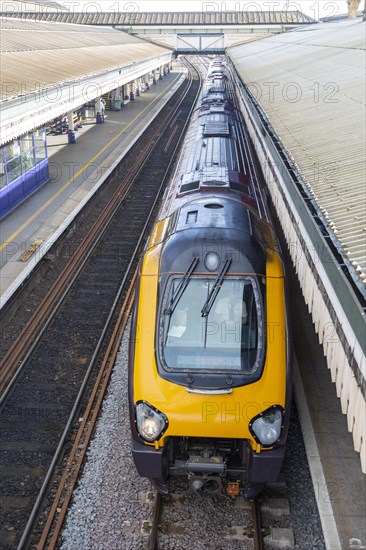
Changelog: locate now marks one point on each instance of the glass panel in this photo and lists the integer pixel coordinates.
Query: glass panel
(12, 149)
(184, 325)
(28, 160)
(39, 135)
(227, 339)
(3, 181)
(26, 142)
(2, 169)
(41, 153)
(14, 169)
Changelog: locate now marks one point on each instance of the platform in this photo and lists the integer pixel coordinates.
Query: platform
(76, 171)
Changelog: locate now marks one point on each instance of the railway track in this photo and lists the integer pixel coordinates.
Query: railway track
(52, 369)
(57, 513)
(250, 537)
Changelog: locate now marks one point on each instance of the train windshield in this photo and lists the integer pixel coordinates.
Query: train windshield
(227, 338)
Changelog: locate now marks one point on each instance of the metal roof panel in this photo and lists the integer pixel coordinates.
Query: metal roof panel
(311, 85)
(180, 18)
(35, 55)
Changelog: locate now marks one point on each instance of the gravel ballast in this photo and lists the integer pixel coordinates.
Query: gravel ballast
(112, 504)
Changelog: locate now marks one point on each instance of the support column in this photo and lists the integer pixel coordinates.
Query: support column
(120, 95)
(137, 87)
(71, 135)
(160, 75)
(132, 93)
(146, 79)
(116, 100)
(99, 108)
(154, 79)
(127, 91)
(82, 115)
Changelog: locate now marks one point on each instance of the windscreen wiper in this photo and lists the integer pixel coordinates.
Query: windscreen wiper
(181, 287)
(215, 289)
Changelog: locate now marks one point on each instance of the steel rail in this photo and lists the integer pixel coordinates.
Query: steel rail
(257, 525)
(153, 537)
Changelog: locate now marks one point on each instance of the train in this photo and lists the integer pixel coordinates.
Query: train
(209, 353)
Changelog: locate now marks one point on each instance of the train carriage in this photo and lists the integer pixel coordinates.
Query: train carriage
(209, 367)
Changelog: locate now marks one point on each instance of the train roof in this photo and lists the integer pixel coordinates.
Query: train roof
(218, 224)
(214, 211)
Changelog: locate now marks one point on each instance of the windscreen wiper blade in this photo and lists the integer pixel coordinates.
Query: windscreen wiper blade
(215, 289)
(181, 287)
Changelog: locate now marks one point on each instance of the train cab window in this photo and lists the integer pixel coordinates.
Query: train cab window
(225, 339)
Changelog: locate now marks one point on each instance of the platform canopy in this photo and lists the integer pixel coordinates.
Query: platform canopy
(30, 5)
(207, 17)
(210, 30)
(48, 69)
(311, 85)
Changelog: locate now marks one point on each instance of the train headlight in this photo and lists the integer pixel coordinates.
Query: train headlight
(266, 427)
(151, 423)
(212, 261)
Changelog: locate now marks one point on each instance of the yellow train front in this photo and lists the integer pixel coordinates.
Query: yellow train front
(209, 380)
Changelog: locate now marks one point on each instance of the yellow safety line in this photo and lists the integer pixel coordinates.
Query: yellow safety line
(46, 204)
